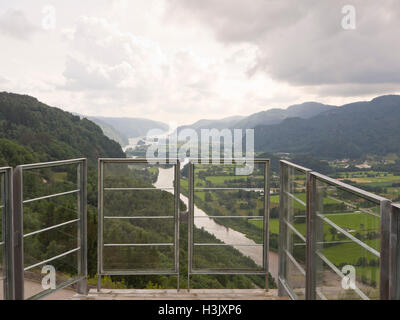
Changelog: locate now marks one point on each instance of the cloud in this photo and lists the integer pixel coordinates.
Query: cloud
(13, 23)
(304, 44)
(135, 74)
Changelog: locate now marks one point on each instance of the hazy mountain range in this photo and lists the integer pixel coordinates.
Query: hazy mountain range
(122, 129)
(273, 116)
(350, 131)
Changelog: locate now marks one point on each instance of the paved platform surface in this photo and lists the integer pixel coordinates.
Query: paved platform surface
(183, 294)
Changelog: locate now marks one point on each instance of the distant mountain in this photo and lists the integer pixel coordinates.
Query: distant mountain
(219, 124)
(273, 116)
(122, 129)
(32, 131)
(110, 131)
(350, 131)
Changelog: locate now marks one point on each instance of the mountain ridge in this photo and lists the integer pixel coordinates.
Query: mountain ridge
(349, 131)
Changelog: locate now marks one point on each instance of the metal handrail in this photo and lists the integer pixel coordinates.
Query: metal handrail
(19, 202)
(7, 242)
(349, 188)
(191, 243)
(101, 271)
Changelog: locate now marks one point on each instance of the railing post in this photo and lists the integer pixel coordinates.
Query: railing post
(100, 191)
(18, 234)
(8, 234)
(190, 219)
(282, 228)
(385, 213)
(394, 259)
(82, 227)
(310, 236)
(177, 193)
(267, 184)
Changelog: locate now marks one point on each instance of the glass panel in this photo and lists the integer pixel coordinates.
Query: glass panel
(139, 231)
(138, 175)
(47, 213)
(154, 258)
(138, 203)
(51, 180)
(252, 230)
(66, 270)
(348, 240)
(294, 244)
(227, 176)
(51, 243)
(242, 229)
(296, 279)
(209, 257)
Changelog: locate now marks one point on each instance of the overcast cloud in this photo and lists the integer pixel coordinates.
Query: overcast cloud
(182, 60)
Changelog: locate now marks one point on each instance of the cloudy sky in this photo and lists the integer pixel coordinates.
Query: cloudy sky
(183, 60)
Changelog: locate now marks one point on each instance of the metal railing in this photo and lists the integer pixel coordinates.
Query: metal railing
(78, 243)
(192, 244)
(344, 234)
(394, 254)
(292, 238)
(111, 270)
(6, 239)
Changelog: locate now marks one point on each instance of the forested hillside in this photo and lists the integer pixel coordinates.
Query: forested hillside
(350, 131)
(32, 131)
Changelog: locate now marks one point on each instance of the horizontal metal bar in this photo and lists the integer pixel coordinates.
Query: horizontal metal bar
(349, 188)
(1, 243)
(320, 294)
(350, 236)
(137, 244)
(137, 272)
(228, 244)
(5, 169)
(211, 272)
(2, 206)
(50, 228)
(294, 261)
(289, 292)
(140, 160)
(2, 278)
(141, 217)
(244, 188)
(51, 259)
(295, 230)
(295, 198)
(222, 160)
(296, 166)
(354, 206)
(51, 164)
(230, 217)
(340, 274)
(137, 189)
(63, 285)
(51, 196)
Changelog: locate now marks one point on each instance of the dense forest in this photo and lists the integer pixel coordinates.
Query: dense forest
(44, 133)
(31, 131)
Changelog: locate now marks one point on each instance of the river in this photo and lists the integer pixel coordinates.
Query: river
(225, 234)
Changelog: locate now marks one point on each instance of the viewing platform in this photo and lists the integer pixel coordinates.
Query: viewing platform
(194, 225)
